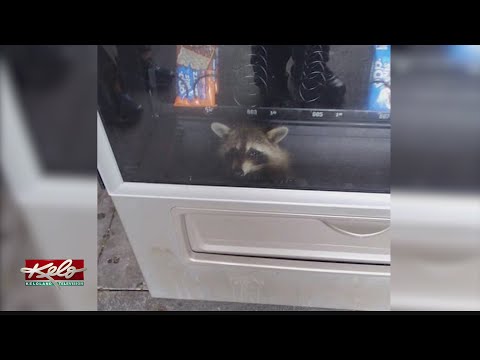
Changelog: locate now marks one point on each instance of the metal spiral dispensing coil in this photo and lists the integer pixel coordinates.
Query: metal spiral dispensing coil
(313, 78)
(251, 78)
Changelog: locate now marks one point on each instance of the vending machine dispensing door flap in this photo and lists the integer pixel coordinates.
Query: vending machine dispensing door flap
(288, 236)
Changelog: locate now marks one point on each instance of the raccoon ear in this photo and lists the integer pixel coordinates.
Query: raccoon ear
(219, 129)
(278, 134)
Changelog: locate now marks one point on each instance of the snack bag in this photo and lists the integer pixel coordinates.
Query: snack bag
(197, 67)
(380, 82)
(184, 83)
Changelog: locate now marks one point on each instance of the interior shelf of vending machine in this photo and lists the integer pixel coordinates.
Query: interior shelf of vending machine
(292, 116)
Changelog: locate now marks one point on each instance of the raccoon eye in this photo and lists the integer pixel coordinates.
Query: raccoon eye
(254, 154)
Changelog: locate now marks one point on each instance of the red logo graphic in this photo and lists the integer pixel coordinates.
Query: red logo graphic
(54, 272)
(56, 269)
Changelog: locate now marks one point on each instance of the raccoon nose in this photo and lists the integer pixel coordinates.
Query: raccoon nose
(239, 172)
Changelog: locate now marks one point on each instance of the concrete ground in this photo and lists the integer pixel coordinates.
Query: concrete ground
(120, 282)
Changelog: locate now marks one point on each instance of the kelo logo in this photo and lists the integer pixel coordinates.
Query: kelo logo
(54, 272)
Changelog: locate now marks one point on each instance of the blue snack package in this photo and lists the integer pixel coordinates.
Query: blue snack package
(199, 83)
(184, 82)
(380, 93)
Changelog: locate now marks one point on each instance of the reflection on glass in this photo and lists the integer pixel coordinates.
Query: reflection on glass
(280, 116)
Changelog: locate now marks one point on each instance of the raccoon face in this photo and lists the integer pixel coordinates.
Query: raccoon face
(248, 151)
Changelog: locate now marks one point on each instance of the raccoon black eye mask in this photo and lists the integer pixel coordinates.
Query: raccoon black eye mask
(257, 156)
(254, 155)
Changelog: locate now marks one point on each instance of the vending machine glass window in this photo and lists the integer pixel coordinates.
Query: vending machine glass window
(254, 153)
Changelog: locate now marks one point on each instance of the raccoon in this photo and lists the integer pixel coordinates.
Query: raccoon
(252, 153)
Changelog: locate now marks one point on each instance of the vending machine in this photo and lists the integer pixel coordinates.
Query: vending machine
(251, 173)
